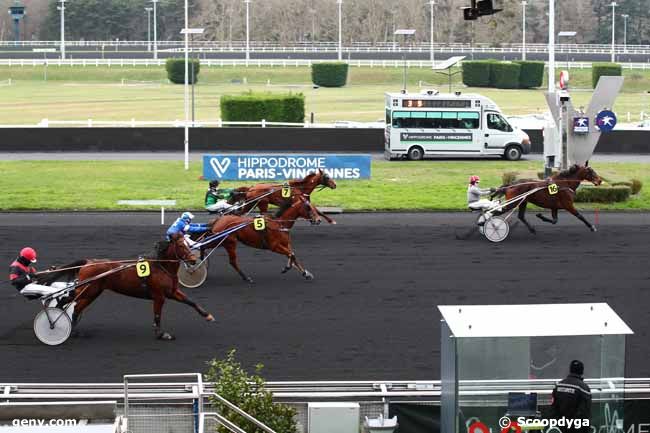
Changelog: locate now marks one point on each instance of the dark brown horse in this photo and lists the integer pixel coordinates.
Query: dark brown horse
(161, 284)
(297, 186)
(548, 197)
(275, 236)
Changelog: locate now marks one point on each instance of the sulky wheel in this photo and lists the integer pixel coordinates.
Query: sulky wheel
(496, 229)
(193, 276)
(52, 326)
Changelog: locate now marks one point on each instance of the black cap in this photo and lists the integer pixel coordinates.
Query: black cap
(214, 184)
(577, 367)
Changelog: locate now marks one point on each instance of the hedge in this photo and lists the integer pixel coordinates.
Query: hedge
(604, 69)
(254, 107)
(176, 70)
(476, 73)
(531, 74)
(329, 74)
(505, 75)
(602, 194)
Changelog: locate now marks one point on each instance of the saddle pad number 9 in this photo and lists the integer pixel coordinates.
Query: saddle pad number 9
(553, 189)
(286, 191)
(259, 224)
(142, 269)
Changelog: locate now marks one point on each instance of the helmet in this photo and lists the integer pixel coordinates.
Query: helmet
(474, 179)
(29, 254)
(214, 184)
(187, 216)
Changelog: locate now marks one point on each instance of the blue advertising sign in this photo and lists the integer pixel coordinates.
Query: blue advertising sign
(581, 125)
(282, 167)
(606, 120)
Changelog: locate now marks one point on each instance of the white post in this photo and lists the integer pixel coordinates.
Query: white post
(551, 46)
(248, 47)
(148, 28)
(162, 216)
(433, 56)
(625, 17)
(340, 4)
(613, 5)
(523, 29)
(155, 29)
(187, 105)
(62, 9)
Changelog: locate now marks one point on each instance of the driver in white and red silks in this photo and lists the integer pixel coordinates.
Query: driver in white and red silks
(474, 194)
(22, 275)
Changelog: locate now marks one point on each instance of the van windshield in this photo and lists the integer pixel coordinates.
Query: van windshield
(496, 121)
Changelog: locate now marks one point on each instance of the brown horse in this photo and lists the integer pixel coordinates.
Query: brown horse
(161, 283)
(567, 183)
(275, 236)
(298, 186)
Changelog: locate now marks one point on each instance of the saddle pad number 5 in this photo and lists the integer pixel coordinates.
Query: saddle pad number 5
(142, 269)
(553, 189)
(286, 191)
(259, 224)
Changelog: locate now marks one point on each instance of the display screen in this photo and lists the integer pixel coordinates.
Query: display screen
(436, 103)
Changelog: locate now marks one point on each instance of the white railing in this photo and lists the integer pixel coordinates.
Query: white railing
(91, 123)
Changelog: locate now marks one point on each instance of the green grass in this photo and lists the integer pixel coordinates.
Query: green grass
(79, 93)
(429, 185)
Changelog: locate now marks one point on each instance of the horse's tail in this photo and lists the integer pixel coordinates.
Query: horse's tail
(68, 272)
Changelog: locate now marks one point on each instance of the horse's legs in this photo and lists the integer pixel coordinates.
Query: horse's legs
(326, 218)
(180, 296)
(230, 245)
(548, 220)
(285, 249)
(522, 216)
(84, 300)
(263, 206)
(158, 302)
(570, 208)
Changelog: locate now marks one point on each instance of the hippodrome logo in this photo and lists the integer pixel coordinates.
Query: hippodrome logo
(274, 167)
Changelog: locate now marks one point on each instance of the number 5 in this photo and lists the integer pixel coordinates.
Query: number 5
(259, 224)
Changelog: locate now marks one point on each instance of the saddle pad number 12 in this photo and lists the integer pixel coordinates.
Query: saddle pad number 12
(259, 224)
(553, 189)
(143, 270)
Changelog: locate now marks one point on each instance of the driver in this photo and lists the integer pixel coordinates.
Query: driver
(216, 200)
(474, 194)
(184, 226)
(22, 275)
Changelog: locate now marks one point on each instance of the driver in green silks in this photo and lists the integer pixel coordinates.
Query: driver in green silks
(216, 200)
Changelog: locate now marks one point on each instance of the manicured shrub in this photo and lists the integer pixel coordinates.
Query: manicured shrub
(176, 70)
(604, 69)
(602, 194)
(635, 185)
(508, 177)
(329, 74)
(476, 73)
(254, 107)
(531, 74)
(504, 75)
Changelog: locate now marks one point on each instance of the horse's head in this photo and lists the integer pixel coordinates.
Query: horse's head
(326, 180)
(306, 210)
(178, 249)
(588, 173)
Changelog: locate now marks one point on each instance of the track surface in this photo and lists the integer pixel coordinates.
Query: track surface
(370, 314)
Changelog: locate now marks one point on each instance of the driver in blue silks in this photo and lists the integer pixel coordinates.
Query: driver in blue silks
(184, 226)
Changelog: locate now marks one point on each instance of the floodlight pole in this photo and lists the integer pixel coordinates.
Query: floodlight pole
(523, 29)
(340, 6)
(551, 46)
(432, 3)
(62, 9)
(625, 17)
(248, 46)
(155, 28)
(613, 5)
(148, 28)
(186, 89)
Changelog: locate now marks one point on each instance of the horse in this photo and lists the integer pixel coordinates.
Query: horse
(298, 186)
(161, 284)
(567, 182)
(274, 236)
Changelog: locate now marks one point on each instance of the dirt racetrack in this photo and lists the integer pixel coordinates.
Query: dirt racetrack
(370, 314)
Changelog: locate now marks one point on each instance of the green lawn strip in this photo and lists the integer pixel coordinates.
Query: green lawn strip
(396, 186)
(78, 93)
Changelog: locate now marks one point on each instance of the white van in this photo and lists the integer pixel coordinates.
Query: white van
(434, 124)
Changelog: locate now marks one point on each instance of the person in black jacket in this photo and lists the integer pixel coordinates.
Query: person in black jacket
(572, 398)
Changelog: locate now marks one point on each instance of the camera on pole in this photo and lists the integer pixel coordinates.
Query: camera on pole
(479, 8)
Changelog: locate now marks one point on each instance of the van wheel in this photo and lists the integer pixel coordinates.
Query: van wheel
(512, 153)
(416, 153)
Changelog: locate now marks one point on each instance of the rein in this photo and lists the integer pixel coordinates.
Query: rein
(104, 263)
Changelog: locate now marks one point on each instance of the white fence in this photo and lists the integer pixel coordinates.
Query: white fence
(91, 123)
(262, 63)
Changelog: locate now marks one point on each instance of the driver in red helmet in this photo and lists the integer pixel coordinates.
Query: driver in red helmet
(22, 275)
(474, 194)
